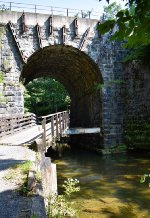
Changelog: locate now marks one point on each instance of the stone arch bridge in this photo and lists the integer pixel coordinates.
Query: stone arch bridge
(71, 50)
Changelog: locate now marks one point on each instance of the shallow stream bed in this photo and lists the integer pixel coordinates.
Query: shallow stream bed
(110, 185)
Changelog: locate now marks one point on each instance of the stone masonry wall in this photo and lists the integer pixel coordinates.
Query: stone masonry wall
(108, 57)
(11, 98)
(137, 106)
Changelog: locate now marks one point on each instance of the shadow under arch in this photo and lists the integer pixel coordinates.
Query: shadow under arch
(78, 73)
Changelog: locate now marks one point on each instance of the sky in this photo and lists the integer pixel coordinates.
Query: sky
(88, 5)
(79, 4)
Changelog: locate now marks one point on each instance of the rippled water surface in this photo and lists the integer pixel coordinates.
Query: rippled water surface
(109, 185)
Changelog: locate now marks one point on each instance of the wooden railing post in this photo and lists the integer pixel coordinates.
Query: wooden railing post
(57, 132)
(52, 126)
(44, 133)
(63, 121)
(17, 122)
(60, 128)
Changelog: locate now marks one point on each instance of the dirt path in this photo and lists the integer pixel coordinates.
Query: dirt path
(12, 204)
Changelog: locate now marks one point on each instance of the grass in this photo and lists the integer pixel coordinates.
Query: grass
(18, 170)
(18, 174)
(25, 167)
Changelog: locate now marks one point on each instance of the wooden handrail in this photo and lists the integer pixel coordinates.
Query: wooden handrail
(56, 124)
(16, 122)
(50, 115)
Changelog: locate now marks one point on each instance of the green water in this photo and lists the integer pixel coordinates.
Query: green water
(109, 185)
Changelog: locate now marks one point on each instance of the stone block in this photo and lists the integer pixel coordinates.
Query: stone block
(3, 105)
(11, 104)
(8, 93)
(11, 98)
(8, 79)
(3, 110)
(19, 103)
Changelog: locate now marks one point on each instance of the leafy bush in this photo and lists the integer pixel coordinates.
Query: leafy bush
(61, 205)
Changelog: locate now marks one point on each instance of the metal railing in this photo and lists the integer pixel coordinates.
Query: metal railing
(16, 122)
(47, 9)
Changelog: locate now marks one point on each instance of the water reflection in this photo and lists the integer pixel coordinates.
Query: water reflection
(110, 185)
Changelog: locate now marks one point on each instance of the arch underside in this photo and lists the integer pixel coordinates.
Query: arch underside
(78, 73)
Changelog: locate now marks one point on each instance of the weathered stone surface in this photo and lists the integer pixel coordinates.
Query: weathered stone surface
(137, 112)
(80, 71)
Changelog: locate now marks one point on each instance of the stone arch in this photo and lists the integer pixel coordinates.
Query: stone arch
(78, 73)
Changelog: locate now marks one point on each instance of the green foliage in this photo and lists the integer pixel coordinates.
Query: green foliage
(44, 96)
(61, 205)
(133, 28)
(25, 167)
(70, 186)
(144, 178)
(111, 11)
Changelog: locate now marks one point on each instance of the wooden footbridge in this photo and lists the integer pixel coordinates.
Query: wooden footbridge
(26, 128)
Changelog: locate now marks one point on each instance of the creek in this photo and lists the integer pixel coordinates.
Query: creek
(110, 185)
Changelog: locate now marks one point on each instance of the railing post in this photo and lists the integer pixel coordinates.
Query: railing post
(63, 121)
(23, 22)
(60, 128)
(10, 6)
(57, 133)
(67, 119)
(52, 126)
(67, 12)
(44, 133)
(35, 9)
(89, 14)
(51, 10)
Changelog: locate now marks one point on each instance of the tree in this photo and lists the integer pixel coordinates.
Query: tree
(111, 11)
(44, 96)
(133, 28)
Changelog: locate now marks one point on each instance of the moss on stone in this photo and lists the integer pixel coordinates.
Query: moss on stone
(137, 133)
